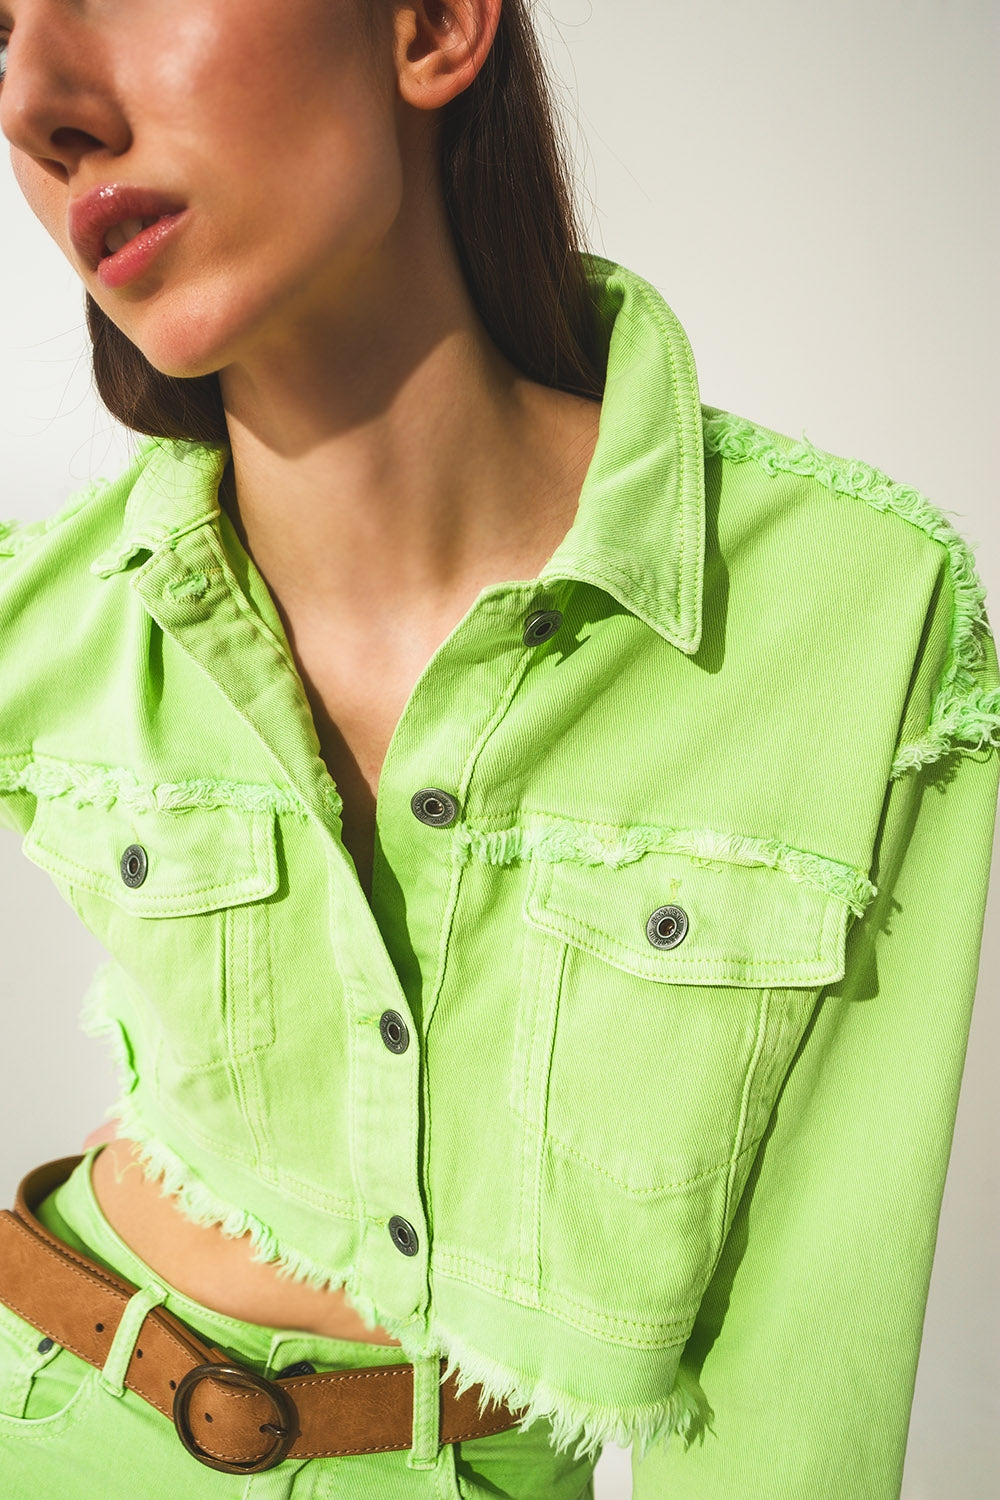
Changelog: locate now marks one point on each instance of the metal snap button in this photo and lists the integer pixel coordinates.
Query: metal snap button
(45, 1345)
(667, 926)
(301, 1367)
(394, 1031)
(434, 807)
(404, 1236)
(134, 865)
(540, 626)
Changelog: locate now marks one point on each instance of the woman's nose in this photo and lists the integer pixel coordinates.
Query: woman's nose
(57, 103)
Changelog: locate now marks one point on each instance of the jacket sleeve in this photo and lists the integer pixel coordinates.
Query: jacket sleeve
(807, 1338)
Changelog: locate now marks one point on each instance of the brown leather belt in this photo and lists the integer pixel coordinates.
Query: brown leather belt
(229, 1417)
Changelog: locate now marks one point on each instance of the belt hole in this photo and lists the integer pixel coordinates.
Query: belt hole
(208, 1417)
(138, 1354)
(99, 1327)
(173, 1385)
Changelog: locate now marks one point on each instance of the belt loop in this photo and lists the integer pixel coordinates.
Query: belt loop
(126, 1335)
(273, 1484)
(426, 1439)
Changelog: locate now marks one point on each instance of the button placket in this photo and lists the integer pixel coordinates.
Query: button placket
(437, 741)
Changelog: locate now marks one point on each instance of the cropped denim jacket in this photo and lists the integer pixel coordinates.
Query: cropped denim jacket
(632, 1089)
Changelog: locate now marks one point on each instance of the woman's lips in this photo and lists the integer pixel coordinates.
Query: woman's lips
(139, 252)
(118, 207)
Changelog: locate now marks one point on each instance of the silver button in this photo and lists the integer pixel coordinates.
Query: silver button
(434, 807)
(404, 1236)
(394, 1031)
(541, 626)
(134, 865)
(667, 926)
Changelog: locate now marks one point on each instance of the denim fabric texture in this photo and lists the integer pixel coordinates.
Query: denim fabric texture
(65, 1434)
(687, 979)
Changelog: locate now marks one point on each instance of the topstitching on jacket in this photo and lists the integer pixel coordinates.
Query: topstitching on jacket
(631, 1163)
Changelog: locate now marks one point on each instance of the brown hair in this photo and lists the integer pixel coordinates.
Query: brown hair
(509, 199)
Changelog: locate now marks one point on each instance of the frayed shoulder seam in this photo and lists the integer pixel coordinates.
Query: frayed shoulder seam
(17, 536)
(965, 712)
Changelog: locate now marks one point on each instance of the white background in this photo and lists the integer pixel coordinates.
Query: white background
(813, 189)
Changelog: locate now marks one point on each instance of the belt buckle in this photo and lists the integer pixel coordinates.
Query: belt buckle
(284, 1428)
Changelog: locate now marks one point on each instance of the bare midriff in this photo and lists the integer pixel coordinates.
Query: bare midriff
(210, 1267)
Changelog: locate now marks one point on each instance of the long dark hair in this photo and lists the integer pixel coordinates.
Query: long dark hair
(510, 203)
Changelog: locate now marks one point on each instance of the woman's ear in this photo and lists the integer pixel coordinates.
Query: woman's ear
(440, 46)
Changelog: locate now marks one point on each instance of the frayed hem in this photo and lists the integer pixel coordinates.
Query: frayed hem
(965, 715)
(685, 1412)
(201, 1206)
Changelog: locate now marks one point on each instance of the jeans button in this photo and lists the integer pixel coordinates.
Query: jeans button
(434, 807)
(541, 626)
(134, 865)
(394, 1031)
(667, 926)
(404, 1236)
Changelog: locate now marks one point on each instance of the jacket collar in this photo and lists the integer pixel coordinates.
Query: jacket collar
(638, 532)
(175, 491)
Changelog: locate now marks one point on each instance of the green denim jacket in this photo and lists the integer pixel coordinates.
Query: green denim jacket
(632, 1089)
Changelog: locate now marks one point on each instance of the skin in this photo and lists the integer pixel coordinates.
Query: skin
(388, 462)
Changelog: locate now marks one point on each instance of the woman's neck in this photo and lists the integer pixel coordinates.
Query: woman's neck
(395, 455)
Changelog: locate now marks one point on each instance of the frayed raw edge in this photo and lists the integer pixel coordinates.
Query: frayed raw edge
(104, 785)
(685, 1411)
(557, 843)
(201, 1206)
(15, 535)
(969, 716)
(964, 713)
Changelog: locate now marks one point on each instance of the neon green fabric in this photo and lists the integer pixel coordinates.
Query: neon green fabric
(655, 1164)
(66, 1432)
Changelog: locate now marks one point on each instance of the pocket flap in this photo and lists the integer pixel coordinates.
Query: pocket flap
(196, 859)
(747, 925)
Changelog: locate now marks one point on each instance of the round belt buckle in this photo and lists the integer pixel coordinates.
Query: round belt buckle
(283, 1428)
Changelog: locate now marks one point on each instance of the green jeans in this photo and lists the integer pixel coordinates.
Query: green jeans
(66, 1434)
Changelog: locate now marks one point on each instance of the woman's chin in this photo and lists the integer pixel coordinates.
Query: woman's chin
(183, 348)
(182, 363)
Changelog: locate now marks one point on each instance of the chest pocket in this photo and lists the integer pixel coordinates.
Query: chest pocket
(179, 898)
(647, 1061)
